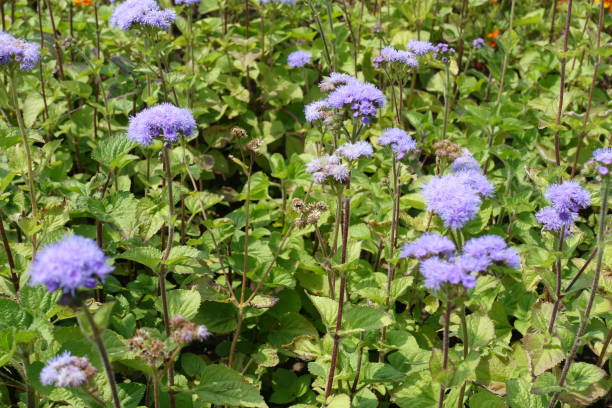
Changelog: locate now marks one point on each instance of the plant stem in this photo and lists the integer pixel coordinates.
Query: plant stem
(604, 349)
(446, 100)
(558, 294)
(553, 17)
(359, 361)
(601, 242)
(568, 20)
(9, 257)
(466, 350)
(162, 268)
(445, 345)
(323, 36)
(328, 4)
(97, 338)
(41, 76)
(341, 295)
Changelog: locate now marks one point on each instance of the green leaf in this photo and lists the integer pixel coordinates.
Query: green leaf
(8, 345)
(182, 302)
(546, 384)
(181, 253)
(582, 375)
(339, 401)
(221, 385)
(131, 394)
(12, 315)
(520, 394)
(363, 318)
(544, 352)
(147, 256)
(327, 308)
(111, 151)
(481, 331)
(291, 326)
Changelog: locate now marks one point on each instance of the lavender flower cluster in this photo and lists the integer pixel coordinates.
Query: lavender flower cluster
(440, 264)
(566, 200)
(330, 169)
(69, 264)
(16, 50)
(66, 370)
(361, 99)
(298, 59)
(144, 13)
(401, 143)
(390, 55)
(456, 197)
(443, 51)
(602, 158)
(164, 120)
(187, 2)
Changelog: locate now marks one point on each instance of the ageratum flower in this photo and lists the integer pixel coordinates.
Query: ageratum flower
(438, 272)
(165, 120)
(328, 169)
(69, 264)
(553, 220)
(318, 110)
(477, 182)
(66, 370)
(184, 331)
(465, 162)
(400, 142)
(481, 253)
(568, 196)
(298, 59)
(187, 2)
(478, 43)
(420, 48)
(391, 55)
(353, 151)
(19, 51)
(443, 51)
(452, 200)
(334, 79)
(144, 13)
(428, 245)
(603, 158)
(363, 99)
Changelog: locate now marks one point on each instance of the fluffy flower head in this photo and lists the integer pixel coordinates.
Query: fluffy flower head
(298, 59)
(477, 182)
(568, 196)
(428, 245)
(164, 120)
(420, 48)
(438, 271)
(362, 99)
(554, 221)
(353, 151)
(391, 55)
(453, 200)
(482, 252)
(317, 110)
(478, 43)
(603, 158)
(69, 264)
(465, 162)
(399, 140)
(66, 370)
(328, 169)
(141, 13)
(16, 50)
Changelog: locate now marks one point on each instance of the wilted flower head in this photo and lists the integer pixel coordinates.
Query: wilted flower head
(150, 349)
(298, 59)
(452, 199)
(66, 370)
(145, 13)
(420, 48)
(164, 120)
(399, 140)
(184, 331)
(603, 159)
(478, 43)
(309, 214)
(69, 264)
(428, 245)
(447, 149)
(482, 252)
(328, 169)
(568, 196)
(553, 220)
(439, 271)
(390, 55)
(16, 50)
(353, 151)
(465, 162)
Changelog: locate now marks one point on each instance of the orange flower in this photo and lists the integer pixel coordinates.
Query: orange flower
(82, 2)
(492, 36)
(607, 5)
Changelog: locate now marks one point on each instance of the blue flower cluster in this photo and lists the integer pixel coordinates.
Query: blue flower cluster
(443, 51)
(16, 50)
(478, 43)
(420, 48)
(66, 370)
(298, 59)
(145, 13)
(566, 200)
(401, 143)
(328, 169)
(353, 151)
(164, 120)
(603, 159)
(187, 2)
(69, 264)
(441, 265)
(390, 55)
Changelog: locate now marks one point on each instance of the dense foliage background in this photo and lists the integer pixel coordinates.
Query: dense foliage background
(239, 262)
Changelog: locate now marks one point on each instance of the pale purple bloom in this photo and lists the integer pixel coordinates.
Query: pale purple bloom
(420, 48)
(568, 196)
(481, 253)
(443, 51)
(478, 43)
(66, 370)
(69, 264)
(452, 200)
(17, 50)
(391, 55)
(202, 332)
(298, 59)
(438, 272)
(328, 169)
(477, 182)
(363, 99)
(353, 151)
(399, 140)
(554, 221)
(187, 2)
(165, 120)
(334, 79)
(143, 13)
(317, 110)
(428, 245)
(603, 158)
(465, 162)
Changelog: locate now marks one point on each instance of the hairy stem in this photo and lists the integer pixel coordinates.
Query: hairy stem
(445, 345)
(558, 294)
(9, 257)
(466, 350)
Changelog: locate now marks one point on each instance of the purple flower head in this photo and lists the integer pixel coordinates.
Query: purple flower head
(335, 79)
(420, 48)
(478, 43)
(568, 196)
(363, 99)
(554, 221)
(145, 13)
(328, 169)
(465, 162)
(482, 252)
(164, 120)
(438, 271)
(317, 110)
(66, 370)
(603, 158)
(202, 332)
(477, 182)
(399, 140)
(353, 151)
(453, 200)
(298, 59)
(391, 55)
(187, 2)
(69, 264)
(428, 245)
(19, 51)
(443, 51)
